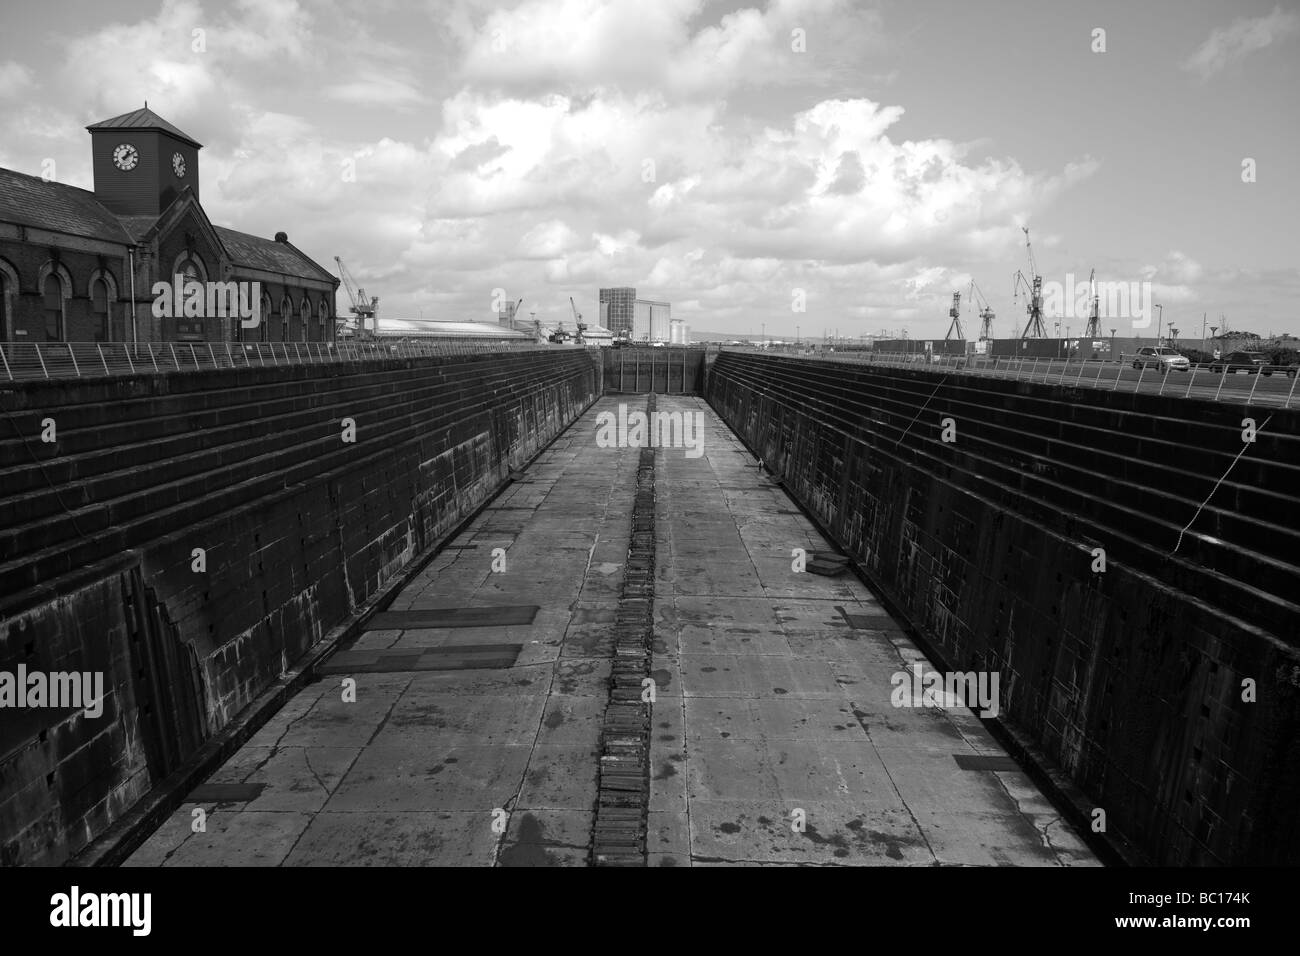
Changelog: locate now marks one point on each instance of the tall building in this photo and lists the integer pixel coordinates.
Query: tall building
(643, 320)
(79, 265)
(650, 320)
(616, 309)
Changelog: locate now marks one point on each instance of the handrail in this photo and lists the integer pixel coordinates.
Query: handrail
(1202, 380)
(37, 361)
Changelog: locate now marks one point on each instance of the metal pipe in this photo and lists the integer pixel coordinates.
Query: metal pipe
(130, 255)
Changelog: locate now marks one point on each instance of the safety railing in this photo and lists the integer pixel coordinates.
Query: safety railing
(1273, 385)
(27, 361)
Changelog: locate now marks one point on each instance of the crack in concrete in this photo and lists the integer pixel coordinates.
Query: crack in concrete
(1042, 831)
(306, 756)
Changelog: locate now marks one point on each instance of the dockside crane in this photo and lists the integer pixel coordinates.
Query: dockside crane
(577, 321)
(986, 312)
(1094, 309)
(361, 307)
(955, 314)
(1033, 287)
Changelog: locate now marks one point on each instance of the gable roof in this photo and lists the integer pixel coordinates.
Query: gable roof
(269, 255)
(144, 118)
(32, 201)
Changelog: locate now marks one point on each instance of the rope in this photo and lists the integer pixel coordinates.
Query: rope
(1216, 487)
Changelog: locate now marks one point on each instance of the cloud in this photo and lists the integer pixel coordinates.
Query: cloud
(15, 80)
(375, 88)
(1243, 37)
(572, 46)
(563, 145)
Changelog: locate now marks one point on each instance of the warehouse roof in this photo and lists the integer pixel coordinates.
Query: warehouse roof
(400, 327)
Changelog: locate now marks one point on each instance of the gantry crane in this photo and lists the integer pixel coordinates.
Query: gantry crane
(986, 312)
(955, 314)
(1094, 309)
(360, 307)
(1034, 288)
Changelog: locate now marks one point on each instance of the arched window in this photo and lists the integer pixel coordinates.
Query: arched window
(53, 305)
(99, 309)
(262, 333)
(304, 314)
(286, 316)
(8, 290)
(322, 313)
(190, 270)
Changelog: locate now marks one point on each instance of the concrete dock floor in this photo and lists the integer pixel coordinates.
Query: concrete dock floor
(774, 738)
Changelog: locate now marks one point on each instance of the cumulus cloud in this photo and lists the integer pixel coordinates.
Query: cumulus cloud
(563, 145)
(1244, 36)
(568, 46)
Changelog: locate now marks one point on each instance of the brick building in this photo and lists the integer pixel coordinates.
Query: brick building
(74, 261)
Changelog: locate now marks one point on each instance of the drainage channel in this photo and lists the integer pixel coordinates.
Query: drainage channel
(623, 792)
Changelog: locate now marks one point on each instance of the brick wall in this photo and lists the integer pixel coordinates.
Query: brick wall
(1129, 680)
(299, 529)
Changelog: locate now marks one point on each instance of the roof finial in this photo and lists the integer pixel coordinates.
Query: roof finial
(146, 104)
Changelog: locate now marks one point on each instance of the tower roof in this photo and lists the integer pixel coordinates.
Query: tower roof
(144, 118)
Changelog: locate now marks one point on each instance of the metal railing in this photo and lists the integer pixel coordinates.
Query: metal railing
(28, 361)
(1199, 381)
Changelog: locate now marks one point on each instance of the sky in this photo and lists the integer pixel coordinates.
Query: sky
(781, 168)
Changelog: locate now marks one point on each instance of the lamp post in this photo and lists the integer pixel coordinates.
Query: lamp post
(1112, 345)
(1159, 322)
(1214, 351)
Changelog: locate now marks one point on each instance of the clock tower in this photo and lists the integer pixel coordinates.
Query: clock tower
(141, 163)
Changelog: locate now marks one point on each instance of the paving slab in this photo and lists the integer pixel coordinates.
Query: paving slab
(480, 767)
(775, 735)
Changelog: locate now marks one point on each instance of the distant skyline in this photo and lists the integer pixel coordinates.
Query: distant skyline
(865, 159)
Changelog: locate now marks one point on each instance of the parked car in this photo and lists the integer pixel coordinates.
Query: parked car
(1249, 362)
(1162, 357)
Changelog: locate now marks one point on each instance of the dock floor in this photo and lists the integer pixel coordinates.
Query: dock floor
(774, 738)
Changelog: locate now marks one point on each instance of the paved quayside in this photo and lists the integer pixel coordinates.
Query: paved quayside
(768, 701)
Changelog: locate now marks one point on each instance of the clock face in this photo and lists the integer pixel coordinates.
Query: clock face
(178, 165)
(126, 156)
